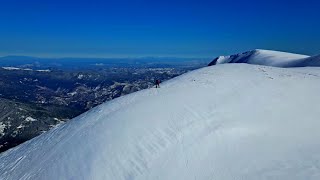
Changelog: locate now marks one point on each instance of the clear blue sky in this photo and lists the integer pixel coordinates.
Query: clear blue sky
(134, 28)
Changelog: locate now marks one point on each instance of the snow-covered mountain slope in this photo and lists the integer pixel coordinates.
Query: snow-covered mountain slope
(234, 121)
(268, 58)
(310, 61)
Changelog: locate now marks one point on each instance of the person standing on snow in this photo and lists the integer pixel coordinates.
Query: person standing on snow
(157, 82)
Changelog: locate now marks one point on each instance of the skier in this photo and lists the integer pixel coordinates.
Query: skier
(157, 83)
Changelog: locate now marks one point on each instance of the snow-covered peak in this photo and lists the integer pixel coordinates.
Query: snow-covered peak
(263, 57)
(234, 121)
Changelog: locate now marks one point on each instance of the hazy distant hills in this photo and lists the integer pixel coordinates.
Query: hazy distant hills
(78, 63)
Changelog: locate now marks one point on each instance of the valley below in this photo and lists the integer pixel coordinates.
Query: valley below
(34, 100)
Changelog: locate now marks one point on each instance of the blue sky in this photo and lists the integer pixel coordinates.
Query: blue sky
(135, 28)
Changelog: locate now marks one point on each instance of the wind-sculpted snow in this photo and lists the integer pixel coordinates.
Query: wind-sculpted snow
(234, 121)
(269, 58)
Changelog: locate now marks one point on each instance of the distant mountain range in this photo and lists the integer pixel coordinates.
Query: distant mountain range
(78, 63)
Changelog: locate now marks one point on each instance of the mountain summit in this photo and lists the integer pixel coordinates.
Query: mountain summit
(232, 121)
(269, 58)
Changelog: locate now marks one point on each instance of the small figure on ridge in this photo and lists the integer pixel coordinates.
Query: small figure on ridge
(157, 83)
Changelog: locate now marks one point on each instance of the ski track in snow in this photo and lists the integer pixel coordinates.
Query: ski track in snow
(234, 121)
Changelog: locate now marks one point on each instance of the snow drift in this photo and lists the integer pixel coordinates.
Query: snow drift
(233, 121)
(269, 58)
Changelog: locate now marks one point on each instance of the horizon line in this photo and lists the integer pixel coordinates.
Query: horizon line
(104, 57)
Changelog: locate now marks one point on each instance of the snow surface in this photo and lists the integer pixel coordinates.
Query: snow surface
(44, 70)
(268, 58)
(25, 69)
(10, 68)
(232, 121)
(2, 128)
(30, 119)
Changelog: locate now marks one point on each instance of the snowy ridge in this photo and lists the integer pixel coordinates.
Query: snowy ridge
(234, 121)
(268, 58)
(311, 61)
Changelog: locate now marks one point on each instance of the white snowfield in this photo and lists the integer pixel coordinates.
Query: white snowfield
(225, 122)
(269, 58)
